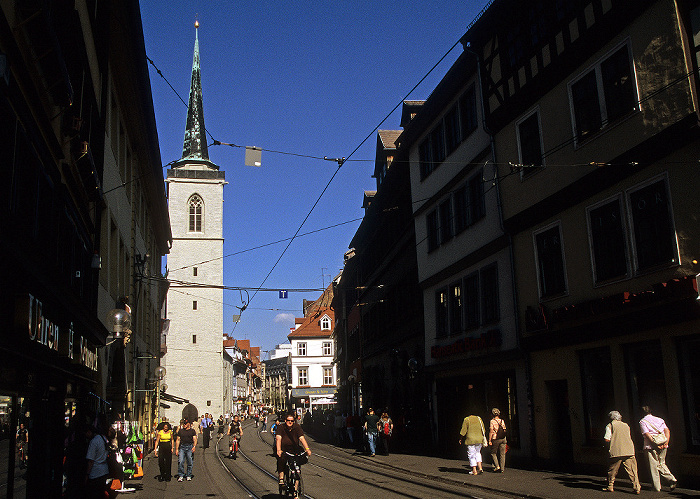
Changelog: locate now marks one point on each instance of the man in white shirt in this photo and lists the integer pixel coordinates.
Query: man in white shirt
(656, 454)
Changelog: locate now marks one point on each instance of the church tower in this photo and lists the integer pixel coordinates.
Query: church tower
(194, 357)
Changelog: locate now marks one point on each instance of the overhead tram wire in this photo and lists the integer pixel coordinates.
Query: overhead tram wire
(346, 158)
(266, 245)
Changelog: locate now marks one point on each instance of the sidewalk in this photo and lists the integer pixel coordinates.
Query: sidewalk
(534, 484)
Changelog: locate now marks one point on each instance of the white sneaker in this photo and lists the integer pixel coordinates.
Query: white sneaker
(179, 479)
(189, 478)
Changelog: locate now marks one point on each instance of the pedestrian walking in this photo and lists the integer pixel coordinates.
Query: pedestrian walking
(497, 441)
(656, 439)
(474, 437)
(385, 426)
(617, 434)
(339, 428)
(371, 421)
(207, 425)
(350, 428)
(22, 439)
(220, 424)
(264, 422)
(185, 445)
(97, 470)
(164, 452)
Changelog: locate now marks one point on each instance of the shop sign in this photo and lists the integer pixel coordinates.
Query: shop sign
(307, 392)
(44, 331)
(489, 339)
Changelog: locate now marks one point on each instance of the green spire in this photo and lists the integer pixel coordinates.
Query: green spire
(195, 143)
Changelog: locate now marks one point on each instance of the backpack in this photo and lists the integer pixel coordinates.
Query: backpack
(387, 428)
(501, 432)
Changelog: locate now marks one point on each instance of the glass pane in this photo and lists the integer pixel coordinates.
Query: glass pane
(653, 231)
(619, 91)
(584, 94)
(608, 241)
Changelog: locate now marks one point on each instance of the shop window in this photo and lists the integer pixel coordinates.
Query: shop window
(608, 242)
(550, 262)
(645, 377)
(597, 389)
(653, 233)
(689, 353)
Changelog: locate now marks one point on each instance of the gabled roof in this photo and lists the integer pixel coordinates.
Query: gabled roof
(388, 138)
(311, 326)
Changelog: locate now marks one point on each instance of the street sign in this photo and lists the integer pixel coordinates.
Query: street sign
(283, 294)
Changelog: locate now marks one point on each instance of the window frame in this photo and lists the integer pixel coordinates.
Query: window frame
(625, 243)
(329, 350)
(328, 380)
(322, 323)
(535, 234)
(602, 110)
(527, 172)
(663, 178)
(305, 370)
(195, 221)
(442, 314)
(302, 349)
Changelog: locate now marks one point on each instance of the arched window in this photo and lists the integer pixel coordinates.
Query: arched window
(325, 323)
(196, 211)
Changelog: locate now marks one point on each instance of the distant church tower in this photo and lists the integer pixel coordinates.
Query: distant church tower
(194, 357)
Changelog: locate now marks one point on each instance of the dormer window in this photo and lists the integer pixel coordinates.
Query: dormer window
(325, 323)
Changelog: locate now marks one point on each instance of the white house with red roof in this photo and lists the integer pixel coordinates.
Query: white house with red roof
(314, 376)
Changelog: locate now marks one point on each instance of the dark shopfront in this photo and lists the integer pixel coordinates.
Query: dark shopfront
(47, 381)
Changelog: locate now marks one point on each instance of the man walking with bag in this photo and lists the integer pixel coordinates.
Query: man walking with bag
(656, 438)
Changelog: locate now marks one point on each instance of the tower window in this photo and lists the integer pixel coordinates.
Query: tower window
(194, 338)
(194, 271)
(194, 305)
(196, 206)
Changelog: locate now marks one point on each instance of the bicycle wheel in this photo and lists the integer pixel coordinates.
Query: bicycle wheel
(300, 490)
(288, 483)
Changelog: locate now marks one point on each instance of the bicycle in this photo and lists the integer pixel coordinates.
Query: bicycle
(234, 447)
(292, 476)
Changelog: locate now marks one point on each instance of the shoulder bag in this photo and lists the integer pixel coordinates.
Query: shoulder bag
(657, 438)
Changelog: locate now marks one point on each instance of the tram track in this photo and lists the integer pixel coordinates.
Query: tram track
(382, 471)
(334, 472)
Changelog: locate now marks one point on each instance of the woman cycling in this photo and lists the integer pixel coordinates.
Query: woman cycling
(289, 438)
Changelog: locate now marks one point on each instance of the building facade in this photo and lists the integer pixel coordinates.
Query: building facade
(379, 326)
(83, 206)
(472, 353)
(313, 373)
(195, 267)
(593, 107)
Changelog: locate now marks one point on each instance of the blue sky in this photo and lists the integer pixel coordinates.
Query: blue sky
(311, 78)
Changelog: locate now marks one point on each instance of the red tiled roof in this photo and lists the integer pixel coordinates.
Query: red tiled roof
(311, 327)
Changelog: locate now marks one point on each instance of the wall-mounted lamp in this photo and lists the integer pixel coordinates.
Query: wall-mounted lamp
(118, 322)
